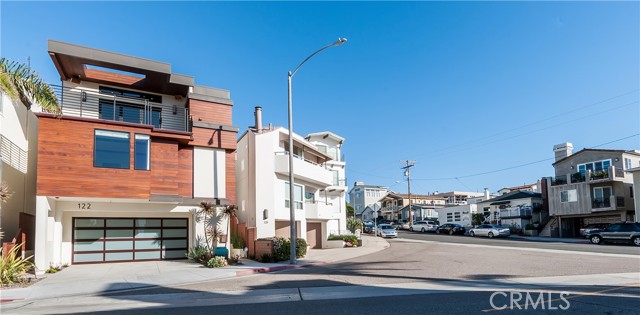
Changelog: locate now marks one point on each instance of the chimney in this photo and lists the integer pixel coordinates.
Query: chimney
(487, 195)
(563, 150)
(258, 116)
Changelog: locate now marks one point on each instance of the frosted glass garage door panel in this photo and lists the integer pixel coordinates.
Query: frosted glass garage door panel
(119, 245)
(148, 222)
(88, 246)
(174, 244)
(116, 234)
(147, 255)
(89, 222)
(151, 244)
(78, 258)
(119, 223)
(174, 233)
(148, 233)
(174, 223)
(173, 254)
(118, 256)
(88, 234)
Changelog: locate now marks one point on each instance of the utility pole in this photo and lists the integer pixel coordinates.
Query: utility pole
(407, 172)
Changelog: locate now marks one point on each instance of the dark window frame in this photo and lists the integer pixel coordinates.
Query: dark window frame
(95, 149)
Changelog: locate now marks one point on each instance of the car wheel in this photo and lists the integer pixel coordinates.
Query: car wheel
(411, 229)
(490, 235)
(636, 241)
(438, 231)
(450, 232)
(422, 230)
(595, 239)
(472, 234)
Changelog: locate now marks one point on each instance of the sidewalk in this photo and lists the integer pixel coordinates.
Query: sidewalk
(551, 239)
(100, 278)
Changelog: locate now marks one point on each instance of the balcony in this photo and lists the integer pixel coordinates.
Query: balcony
(304, 170)
(91, 104)
(523, 212)
(605, 204)
(320, 210)
(611, 174)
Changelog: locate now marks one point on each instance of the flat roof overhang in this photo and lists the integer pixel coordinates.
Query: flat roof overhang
(146, 75)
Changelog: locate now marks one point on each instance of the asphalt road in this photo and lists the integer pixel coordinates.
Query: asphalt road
(514, 242)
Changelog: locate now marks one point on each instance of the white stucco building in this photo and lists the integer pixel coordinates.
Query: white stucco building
(263, 183)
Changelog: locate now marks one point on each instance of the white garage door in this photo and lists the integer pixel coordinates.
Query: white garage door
(128, 239)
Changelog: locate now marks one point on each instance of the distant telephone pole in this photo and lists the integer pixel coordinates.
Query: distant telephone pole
(407, 172)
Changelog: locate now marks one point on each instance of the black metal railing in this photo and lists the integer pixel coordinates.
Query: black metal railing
(601, 203)
(559, 180)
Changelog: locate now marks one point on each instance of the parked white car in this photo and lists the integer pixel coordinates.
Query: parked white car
(386, 230)
(424, 226)
(490, 230)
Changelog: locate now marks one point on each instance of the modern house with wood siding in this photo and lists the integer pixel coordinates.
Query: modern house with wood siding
(121, 172)
(263, 184)
(590, 186)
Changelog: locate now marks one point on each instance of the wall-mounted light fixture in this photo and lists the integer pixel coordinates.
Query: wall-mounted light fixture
(265, 214)
(83, 96)
(617, 159)
(175, 109)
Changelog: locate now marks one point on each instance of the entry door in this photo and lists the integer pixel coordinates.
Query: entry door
(128, 239)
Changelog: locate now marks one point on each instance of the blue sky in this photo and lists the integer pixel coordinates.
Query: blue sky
(463, 88)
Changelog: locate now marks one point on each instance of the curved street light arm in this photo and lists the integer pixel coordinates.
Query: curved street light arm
(339, 42)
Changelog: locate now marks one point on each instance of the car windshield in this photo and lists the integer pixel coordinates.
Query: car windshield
(386, 227)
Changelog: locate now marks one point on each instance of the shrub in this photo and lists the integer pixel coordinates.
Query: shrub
(347, 238)
(282, 248)
(13, 267)
(217, 262)
(354, 224)
(301, 247)
(236, 241)
(266, 258)
(197, 253)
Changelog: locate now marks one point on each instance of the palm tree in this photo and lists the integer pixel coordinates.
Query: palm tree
(208, 211)
(19, 82)
(228, 212)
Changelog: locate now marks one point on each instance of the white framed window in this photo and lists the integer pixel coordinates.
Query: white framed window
(601, 194)
(449, 216)
(568, 196)
(141, 152)
(456, 216)
(627, 163)
(297, 194)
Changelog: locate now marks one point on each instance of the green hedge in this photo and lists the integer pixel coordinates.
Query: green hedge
(347, 238)
(282, 248)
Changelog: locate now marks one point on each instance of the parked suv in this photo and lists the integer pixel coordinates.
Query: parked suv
(424, 226)
(624, 232)
(451, 228)
(591, 228)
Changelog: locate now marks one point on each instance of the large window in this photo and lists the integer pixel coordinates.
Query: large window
(112, 149)
(297, 194)
(601, 196)
(596, 166)
(141, 152)
(627, 163)
(568, 196)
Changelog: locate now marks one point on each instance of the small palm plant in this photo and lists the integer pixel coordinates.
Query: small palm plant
(13, 266)
(208, 212)
(228, 212)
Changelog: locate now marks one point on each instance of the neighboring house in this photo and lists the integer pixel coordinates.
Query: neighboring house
(18, 154)
(393, 202)
(362, 196)
(370, 213)
(530, 187)
(456, 198)
(420, 212)
(516, 208)
(122, 171)
(591, 186)
(462, 215)
(263, 184)
(636, 190)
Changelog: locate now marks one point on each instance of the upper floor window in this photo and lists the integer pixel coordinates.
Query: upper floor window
(128, 112)
(627, 163)
(596, 166)
(141, 150)
(297, 194)
(568, 196)
(112, 149)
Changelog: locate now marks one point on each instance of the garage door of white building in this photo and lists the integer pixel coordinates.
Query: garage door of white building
(97, 240)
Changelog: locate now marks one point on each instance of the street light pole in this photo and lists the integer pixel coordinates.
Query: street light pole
(292, 207)
(407, 172)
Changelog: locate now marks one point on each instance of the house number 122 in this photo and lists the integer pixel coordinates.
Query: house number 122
(84, 206)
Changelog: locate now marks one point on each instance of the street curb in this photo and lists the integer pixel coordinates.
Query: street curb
(277, 268)
(551, 241)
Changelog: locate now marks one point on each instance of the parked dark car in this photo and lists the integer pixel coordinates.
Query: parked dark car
(369, 227)
(624, 232)
(451, 228)
(592, 228)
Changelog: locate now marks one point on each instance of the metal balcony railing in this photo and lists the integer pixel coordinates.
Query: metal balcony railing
(13, 155)
(90, 104)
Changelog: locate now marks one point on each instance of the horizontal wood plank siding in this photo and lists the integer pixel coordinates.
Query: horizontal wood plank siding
(65, 164)
(185, 172)
(210, 138)
(230, 157)
(210, 112)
